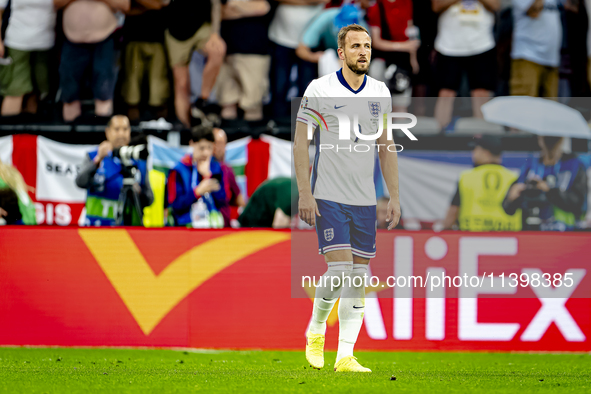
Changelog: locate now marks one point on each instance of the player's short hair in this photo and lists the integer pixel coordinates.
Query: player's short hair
(344, 30)
(202, 132)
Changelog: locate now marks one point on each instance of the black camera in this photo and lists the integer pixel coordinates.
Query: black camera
(531, 189)
(129, 200)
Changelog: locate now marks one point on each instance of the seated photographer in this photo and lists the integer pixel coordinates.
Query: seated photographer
(551, 190)
(194, 190)
(109, 173)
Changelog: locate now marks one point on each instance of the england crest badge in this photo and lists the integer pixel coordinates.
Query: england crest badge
(374, 108)
(329, 234)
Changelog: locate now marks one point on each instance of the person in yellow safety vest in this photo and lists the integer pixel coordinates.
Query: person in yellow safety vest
(478, 202)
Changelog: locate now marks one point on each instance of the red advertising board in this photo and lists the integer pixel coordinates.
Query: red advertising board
(234, 289)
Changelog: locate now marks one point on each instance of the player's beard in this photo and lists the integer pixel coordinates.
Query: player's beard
(352, 64)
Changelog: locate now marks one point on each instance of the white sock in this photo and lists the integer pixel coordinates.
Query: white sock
(326, 296)
(351, 310)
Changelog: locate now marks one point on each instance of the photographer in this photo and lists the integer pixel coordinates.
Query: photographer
(194, 190)
(106, 173)
(551, 190)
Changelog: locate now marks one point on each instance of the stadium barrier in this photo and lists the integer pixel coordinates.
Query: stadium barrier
(234, 289)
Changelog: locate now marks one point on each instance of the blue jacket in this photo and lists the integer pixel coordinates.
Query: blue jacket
(104, 189)
(182, 181)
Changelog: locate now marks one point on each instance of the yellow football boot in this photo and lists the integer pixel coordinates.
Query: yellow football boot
(315, 350)
(349, 364)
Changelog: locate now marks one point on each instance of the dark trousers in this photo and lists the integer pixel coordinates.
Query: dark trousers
(76, 58)
(282, 61)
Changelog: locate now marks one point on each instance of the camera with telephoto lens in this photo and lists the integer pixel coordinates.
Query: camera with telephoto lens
(129, 200)
(128, 154)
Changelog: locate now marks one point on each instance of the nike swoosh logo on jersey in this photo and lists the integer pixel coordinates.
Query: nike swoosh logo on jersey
(335, 106)
(358, 307)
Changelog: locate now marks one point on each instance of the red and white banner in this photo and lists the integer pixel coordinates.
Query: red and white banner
(50, 168)
(57, 167)
(256, 160)
(234, 290)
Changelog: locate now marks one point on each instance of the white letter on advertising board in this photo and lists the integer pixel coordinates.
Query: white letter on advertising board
(403, 266)
(468, 327)
(553, 308)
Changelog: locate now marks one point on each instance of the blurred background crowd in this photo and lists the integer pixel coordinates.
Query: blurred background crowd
(236, 65)
(72, 60)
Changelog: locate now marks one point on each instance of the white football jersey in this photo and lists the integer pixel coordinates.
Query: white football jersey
(343, 170)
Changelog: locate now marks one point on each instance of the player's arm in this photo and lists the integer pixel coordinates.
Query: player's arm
(389, 166)
(439, 6)
(307, 208)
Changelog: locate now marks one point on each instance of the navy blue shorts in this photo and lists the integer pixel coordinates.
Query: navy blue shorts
(76, 59)
(344, 226)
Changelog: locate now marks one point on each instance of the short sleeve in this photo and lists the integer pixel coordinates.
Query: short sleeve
(309, 112)
(387, 104)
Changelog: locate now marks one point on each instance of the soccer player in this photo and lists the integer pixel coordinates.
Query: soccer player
(340, 200)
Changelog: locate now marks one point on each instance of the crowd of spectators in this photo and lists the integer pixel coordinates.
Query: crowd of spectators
(133, 56)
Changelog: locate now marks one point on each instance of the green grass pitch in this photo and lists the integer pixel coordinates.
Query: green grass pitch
(66, 370)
